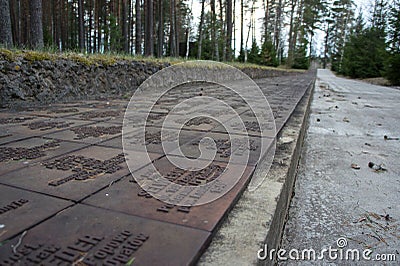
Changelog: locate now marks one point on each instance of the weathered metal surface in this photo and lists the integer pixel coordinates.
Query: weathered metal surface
(91, 133)
(153, 141)
(37, 127)
(58, 111)
(31, 151)
(9, 122)
(127, 196)
(21, 209)
(98, 175)
(72, 176)
(94, 236)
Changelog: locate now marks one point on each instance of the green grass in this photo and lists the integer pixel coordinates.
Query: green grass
(108, 59)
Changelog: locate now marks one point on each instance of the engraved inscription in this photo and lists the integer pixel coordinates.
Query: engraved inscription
(84, 168)
(185, 178)
(95, 131)
(46, 125)
(62, 111)
(13, 205)
(197, 121)
(223, 146)
(250, 126)
(14, 120)
(194, 178)
(9, 153)
(102, 114)
(89, 250)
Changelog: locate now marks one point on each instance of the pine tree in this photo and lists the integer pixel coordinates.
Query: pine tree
(268, 56)
(392, 64)
(254, 53)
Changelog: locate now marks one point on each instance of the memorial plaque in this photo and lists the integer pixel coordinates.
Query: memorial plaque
(128, 197)
(226, 146)
(91, 236)
(58, 111)
(30, 151)
(91, 134)
(21, 209)
(74, 175)
(15, 118)
(213, 142)
(112, 115)
(251, 125)
(9, 122)
(153, 143)
(37, 127)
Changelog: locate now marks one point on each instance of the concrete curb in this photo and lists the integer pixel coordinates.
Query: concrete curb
(275, 232)
(258, 218)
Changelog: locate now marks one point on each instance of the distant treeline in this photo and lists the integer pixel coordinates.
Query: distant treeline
(167, 28)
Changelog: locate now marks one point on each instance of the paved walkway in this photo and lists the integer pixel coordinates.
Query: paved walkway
(335, 200)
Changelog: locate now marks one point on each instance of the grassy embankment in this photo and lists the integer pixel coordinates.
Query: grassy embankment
(110, 58)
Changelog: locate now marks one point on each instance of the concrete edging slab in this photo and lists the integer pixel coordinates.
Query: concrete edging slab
(258, 217)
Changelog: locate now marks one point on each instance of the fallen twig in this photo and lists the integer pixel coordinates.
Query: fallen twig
(14, 248)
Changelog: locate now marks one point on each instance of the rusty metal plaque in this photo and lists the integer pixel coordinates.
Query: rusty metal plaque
(58, 111)
(251, 126)
(226, 146)
(91, 133)
(30, 151)
(37, 127)
(93, 236)
(21, 209)
(219, 142)
(109, 114)
(74, 175)
(126, 196)
(7, 118)
(153, 142)
(10, 123)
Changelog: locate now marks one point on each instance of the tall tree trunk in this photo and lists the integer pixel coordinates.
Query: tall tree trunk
(291, 39)
(172, 29)
(138, 28)
(25, 27)
(177, 26)
(81, 26)
(299, 19)
(148, 29)
(222, 23)
(124, 26)
(36, 24)
(63, 19)
(229, 27)
(160, 29)
(15, 11)
(188, 29)
(266, 19)
(278, 23)
(234, 27)
(130, 23)
(99, 27)
(241, 29)
(326, 46)
(214, 31)
(5, 24)
(91, 29)
(200, 38)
